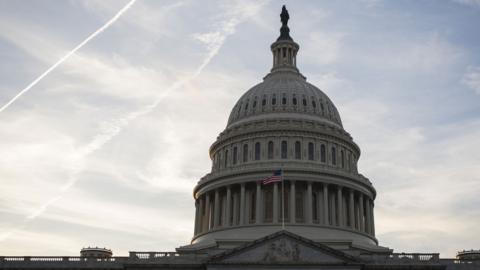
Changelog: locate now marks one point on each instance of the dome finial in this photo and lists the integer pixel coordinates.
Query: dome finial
(284, 31)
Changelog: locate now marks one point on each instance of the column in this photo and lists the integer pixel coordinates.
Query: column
(373, 219)
(339, 206)
(361, 214)
(216, 209)
(275, 202)
(351, 210)
(368, 222)
(325, 204)
(308, 209)
(228, 214)
(242, 204)
(201, 215)
(258, 204)
(207, 212)
(292, 202)
(195, 229)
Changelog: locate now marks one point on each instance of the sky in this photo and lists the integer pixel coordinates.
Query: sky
(106, 148)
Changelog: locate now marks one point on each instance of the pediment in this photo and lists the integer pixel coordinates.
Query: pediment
(283, 248)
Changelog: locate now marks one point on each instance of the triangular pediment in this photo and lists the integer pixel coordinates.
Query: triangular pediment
(283, 248)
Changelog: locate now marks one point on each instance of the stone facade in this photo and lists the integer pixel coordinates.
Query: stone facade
(319, 216)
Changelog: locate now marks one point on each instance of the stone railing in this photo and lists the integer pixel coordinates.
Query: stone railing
(133, 256)
(142, 255)
(60, 259)
(408, 258)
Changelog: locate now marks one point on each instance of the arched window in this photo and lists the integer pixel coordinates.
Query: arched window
(294, 101)
(226, 158)
(284, 100)
(304, 102)
(284, 149)
(257, 151)
(239, 108)
(314, 105)
(310, 151)
(245, 152)
(298, 150)
(274, 100)
(254, 104)
(246, 105)
(235, 157)
(270, 150)
(323, 154)
(264, 102)
(342, 156)
(334, 156)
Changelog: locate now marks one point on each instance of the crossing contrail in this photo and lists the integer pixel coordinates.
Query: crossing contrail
(66, 56)
(114, 127)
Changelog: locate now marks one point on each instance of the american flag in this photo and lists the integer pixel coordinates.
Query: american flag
(275, 177)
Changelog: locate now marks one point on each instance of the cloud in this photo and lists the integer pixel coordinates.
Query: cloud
(112, 128)
(324, 47)
(471, 78)
(470, 3)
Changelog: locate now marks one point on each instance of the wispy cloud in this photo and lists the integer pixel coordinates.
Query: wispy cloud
(471, 78)
(70, 53)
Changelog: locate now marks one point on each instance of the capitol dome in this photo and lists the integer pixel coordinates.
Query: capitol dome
(288, 126)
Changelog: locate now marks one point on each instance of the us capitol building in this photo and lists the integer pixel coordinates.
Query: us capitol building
(318, 215)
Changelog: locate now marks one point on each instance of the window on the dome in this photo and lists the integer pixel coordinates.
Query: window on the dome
(334, 156)
(270, 150)
(268, 200)
(284, 149)
(284, 100)
(323, 155)
(245, 153)
(314, 105)
(304, 102)
(299, 203)
(274, 101)
(234, 158)
(294, 101)
(298, 150)
(264, 102)
(314, 207)
(253, 208)
(310, 151)
(246, 106)
(257, 151)
(342, 156)
(254, 103)
(226, 159)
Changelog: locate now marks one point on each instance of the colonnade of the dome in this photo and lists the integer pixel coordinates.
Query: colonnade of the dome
(304, 202)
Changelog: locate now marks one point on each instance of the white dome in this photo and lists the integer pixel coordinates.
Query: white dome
(287, 94)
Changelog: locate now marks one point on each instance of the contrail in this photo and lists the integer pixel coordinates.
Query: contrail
(66, 56)
(113, 128)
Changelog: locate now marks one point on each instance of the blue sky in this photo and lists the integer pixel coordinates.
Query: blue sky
(105, 150)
